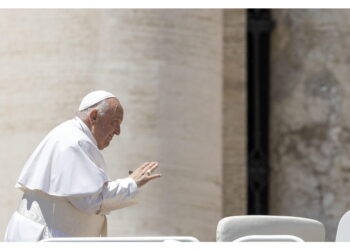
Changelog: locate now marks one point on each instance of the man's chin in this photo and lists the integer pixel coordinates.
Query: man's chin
(105, 145)
(101, 147)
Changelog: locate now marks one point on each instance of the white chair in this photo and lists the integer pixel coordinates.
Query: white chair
(124, 239)
(235, 227)
(343, 231)
(269, 238)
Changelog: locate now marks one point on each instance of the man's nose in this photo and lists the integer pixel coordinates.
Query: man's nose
(117, 131)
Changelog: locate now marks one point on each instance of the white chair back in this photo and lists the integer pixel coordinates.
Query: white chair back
(124, 239)
(343, 231)
(234, 227)
(269, 238)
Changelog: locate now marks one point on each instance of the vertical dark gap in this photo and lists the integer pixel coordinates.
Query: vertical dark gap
(259, 28)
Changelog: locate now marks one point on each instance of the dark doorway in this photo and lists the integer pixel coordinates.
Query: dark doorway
(259, 28)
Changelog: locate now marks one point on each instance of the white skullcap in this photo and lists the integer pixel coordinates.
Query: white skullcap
(94, 97)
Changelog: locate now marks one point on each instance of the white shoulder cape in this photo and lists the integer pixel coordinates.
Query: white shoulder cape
(66, 163)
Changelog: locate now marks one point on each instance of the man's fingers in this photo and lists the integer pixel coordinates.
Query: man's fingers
(146, 169)
(151, 167)
(144, 165)
(154, 167)
(155, 176)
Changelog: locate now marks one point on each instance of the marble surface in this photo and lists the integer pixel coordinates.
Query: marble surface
(309, 120)
(234, 106)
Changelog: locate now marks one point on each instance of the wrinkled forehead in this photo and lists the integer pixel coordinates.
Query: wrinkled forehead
(117, 109)
(119, 112)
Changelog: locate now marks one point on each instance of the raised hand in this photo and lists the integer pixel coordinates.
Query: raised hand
(143, 174)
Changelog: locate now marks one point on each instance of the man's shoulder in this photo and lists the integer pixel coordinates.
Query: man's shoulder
(68, 134)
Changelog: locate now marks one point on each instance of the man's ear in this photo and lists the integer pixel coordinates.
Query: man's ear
(93, 116)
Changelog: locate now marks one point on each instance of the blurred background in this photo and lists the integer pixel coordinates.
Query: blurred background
(244, 109)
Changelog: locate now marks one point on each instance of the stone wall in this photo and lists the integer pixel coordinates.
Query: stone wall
(309, 123)
(166, 66)
(234, 104)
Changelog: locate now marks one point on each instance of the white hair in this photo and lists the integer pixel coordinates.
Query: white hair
(101, 107)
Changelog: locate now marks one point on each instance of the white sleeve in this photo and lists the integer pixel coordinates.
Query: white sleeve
(114, 195)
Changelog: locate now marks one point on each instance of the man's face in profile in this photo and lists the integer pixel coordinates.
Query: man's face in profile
(107, 125)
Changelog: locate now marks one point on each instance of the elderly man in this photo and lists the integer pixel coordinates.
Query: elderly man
(67, 192)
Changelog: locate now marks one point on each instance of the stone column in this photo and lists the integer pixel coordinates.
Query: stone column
(310, 125)
(234, 102)
(165, 65)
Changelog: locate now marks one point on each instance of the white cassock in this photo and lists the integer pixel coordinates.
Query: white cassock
(67, 192)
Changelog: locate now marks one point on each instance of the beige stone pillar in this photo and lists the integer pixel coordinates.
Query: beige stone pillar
(166, 67)
(234, 104)
(310, 122)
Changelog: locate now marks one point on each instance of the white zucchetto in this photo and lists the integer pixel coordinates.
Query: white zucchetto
(94, 97)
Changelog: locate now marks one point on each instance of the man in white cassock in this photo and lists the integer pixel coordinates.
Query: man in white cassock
(67, 192)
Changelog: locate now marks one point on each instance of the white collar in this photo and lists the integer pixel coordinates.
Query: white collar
(85, 129)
